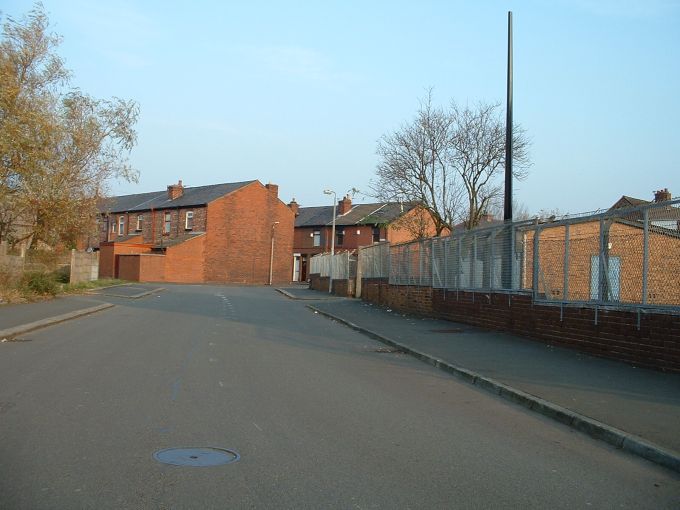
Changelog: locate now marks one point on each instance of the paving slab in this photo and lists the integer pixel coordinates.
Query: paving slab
(641, 402)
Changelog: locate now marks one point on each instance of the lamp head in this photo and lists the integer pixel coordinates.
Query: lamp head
(328, 192)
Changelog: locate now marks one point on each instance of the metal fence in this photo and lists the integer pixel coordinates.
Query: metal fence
(618, 257)
(341, 266)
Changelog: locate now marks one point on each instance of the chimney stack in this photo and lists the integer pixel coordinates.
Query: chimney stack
(273, 189)
(662, 195)
(344, 205)
(294, 207)
(175, 190)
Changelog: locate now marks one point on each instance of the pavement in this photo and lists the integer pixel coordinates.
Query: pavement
(21, 318)
(633, 408)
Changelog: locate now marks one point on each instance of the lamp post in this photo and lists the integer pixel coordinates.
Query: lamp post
(271, 255)
(335, 204)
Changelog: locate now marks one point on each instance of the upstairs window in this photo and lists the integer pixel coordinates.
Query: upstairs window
(121, 225)
(339, 236)
(140, 221)
(113, 225)
(167, 220)
(189, 220)
(317, 238)
(376, 234)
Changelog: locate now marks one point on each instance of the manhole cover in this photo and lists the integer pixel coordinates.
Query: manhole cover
(196, 457)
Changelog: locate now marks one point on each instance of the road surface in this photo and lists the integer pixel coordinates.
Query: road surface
(321, 416)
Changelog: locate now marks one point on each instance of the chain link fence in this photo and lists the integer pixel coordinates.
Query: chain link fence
(341, 266)
(622, 257)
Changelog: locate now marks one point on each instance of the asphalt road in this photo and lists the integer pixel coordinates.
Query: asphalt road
(320, 416)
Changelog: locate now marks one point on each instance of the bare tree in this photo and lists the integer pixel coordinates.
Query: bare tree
(58, 146)
(415, 165)
(450, 161)
(477, 153)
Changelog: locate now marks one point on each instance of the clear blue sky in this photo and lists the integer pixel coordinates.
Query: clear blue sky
(298, 93)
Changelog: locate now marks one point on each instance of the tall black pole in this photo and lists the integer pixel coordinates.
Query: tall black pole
(508, 258)
(507, 211)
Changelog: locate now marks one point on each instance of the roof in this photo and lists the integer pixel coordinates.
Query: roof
(626, 201)
(380, 213)
(166, 243)
(192, 196)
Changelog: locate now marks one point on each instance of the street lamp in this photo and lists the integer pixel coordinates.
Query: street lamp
(271, 255)
(335, 204)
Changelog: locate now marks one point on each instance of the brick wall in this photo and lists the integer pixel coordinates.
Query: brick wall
(108, 253)
(184, 263)
(615, 333)
(343, 288)
(626, 244)
(152, 225)
(238, 239)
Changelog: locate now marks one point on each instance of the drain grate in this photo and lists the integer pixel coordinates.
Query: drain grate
(196, 457)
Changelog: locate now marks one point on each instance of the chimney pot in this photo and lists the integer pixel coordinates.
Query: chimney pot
(294, 207)
(175, 190)
(344, 205)
(662, 195)
(273, 189)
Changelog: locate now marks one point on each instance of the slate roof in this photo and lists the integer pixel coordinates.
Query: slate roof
(165, 243)
(192, 196)
(626, 201)
(360, 214)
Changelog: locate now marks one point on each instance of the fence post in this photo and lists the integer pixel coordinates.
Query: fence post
(72, 271)
(645, 255)
(473, 261)
(460, 263)
(357, 277)
(511, 258)
(565, 288)
(492, 238)
(535, 268)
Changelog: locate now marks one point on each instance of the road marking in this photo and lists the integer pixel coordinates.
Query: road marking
(221, 384)
(257, 426)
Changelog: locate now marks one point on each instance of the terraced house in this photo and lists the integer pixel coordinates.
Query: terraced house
(237, 232)
(356, 225)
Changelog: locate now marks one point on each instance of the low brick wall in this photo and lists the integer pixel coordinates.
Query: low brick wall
(342, 288)
(600, 332)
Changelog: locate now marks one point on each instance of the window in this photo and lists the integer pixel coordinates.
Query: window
(317, 238)
(113, 225)
(167, 219)
(121, 225)
(376, 234)
(339, 236)
(189, 220)
(140, 220)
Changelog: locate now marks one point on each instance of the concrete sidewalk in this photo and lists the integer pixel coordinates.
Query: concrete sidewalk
(634, 408)
(17, 315)
(20, 318)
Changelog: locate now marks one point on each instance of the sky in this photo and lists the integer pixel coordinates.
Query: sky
(298, 93)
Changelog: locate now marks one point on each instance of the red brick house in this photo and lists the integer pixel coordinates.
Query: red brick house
(225, 233)
(355, 226)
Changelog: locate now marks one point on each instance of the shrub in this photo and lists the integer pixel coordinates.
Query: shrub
(40, 283)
